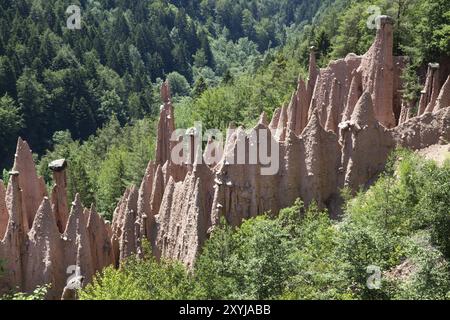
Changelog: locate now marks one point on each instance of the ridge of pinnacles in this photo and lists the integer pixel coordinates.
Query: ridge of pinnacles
(337, 130)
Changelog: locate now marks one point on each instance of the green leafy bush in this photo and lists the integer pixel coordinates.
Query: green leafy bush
(38, 294)
(141, 279)
(251, 263)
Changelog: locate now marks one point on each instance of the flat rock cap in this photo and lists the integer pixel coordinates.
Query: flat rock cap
(434, 65)
(384, 19)
(58, 165)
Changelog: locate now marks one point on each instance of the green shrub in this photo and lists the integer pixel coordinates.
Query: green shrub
(251, 263)
(38, 294)
(411, 201)
(141, 279)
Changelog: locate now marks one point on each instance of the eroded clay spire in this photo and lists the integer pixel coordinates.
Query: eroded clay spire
(59, 193)
(128, 241)
(158, 191)
(378, 69)
(33, 187)
(431, 90)
(45, 255)
(263, 119)
(303, 101)
(443, 100)
(363, 113)
(100, 241)
(313, 72)
(144, 199)
(3, 211)
(353, 97)
(313, 123)
(165, 92)
(275, 119)
(166, 126)
(14, 240)
(76, 244)
(333, 108)
(282, 124)
(321, 153)
(435, 88)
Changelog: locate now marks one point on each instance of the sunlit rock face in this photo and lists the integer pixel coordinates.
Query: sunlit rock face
(54, 245)
(336, 131)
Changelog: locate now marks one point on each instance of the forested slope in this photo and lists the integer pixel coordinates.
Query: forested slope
(53, 78)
